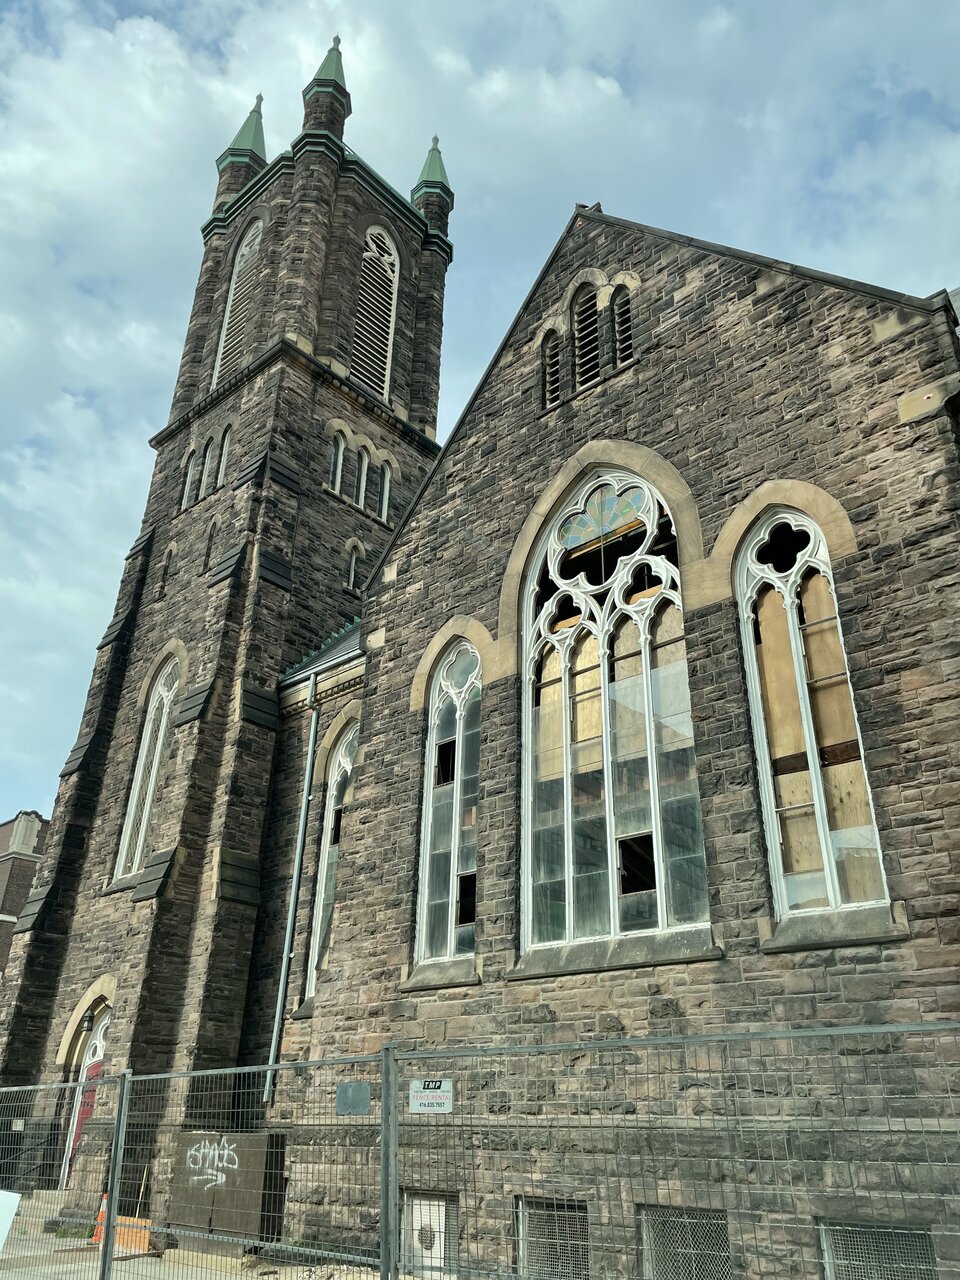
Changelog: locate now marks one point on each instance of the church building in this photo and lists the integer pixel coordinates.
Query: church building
(632, 710)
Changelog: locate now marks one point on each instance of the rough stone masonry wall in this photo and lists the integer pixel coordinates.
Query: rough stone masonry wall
(741, 377)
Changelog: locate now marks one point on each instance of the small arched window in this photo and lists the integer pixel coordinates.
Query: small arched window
(613, 842)
(353, 564)
(186, 496)
(550, 361)
(386, 480)
(211, 543)
(335, 476)
(360, 479)
(224, 455)
(821, 835)
(337, 796)
(206, 470)
(376, 312)
(154, 744)
(622, 325)
(166, 569)
(586, 336)
(448, 851)
(234, 335)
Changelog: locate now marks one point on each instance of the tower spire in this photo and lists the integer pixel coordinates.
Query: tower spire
(433, 194)
(244, 158)
(326, 102)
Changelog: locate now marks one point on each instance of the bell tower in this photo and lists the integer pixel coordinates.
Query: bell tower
(302, 423)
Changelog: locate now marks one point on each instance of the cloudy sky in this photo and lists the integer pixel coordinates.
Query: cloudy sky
(826, 132)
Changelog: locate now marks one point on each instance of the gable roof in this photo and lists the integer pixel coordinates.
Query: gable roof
(342, 646)
(935, 302)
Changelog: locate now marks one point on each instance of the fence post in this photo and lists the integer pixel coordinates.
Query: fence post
(114, 1175)
(389, 1191)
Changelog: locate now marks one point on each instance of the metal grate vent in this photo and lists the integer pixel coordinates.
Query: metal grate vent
(376, 303)
(429, 1234)
(554, 1240)
(586, 338)
(878, 1253)
(551, 371)
(684, 1244)
(622, 327)
(233, 340)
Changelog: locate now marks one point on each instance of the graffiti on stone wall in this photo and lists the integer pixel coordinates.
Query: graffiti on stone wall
(210, 1161)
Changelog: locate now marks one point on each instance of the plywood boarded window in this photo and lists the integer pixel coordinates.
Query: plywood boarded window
(234, 336)
(154, 744)
(376, 312)
(586, 337)
(448, 859)
(824, 848)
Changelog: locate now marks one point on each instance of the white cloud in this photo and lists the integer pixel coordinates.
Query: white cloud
(827, 134)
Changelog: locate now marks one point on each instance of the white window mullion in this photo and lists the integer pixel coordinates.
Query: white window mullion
(455, 823)
(526, 825)
(652, 773)
(565, 653)
(613, 848)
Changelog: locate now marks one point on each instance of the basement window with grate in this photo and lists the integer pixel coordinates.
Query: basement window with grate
(233, 336)
(683, 1244)
(877, 1253)
(586, 337)
(622, 326)
(550, 360)
(429, 1234)
(376, 312)
(553, 1240)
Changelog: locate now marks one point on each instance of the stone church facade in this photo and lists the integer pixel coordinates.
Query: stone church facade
(633, 710)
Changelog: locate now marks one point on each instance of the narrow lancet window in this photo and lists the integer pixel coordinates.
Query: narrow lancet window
(386, 479)
(550, 359)
(622, 325)
(337, 795)
(154, 744)
(224, 455)
(821, 834)
(186, 497)
(614, 843)
(335, 475)
(586, 337)
(448, 863)
(234, 334)
(376, 312)
(206, 470)
(360, 479)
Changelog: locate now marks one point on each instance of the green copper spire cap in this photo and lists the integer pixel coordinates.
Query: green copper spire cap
(433, 175)
(330, 77)
(248, 147)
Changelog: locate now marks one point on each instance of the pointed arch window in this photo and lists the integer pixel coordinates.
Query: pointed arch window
(206, 470)
(448, 858)
(91, 1051)
(335, 475)
(613, 840)
(821, 834)
(154, 744)
(234, 333)
(186, 496)
(337, 796)
(586, 336)
(166, 569)
(360, 479)
(376, 312)
(622, 325)
(224, 455)
(550, 369)
(386, 481)
(211, 543)
(353, 566)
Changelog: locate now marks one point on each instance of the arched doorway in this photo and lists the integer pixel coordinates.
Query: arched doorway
(89, 1059)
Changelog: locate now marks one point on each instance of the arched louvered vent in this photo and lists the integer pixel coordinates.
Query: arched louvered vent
(376, 309)
(550, 355)
(233, 338)
(586, 337)
(622, 326)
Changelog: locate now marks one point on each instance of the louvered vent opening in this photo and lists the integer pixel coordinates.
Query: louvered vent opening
(551, 371)
(878, 1253)
(554, 1240)
(622, 327)
(233, 342)
(685, 1244)
(429, 1235)
(586, 338)
(373, 330)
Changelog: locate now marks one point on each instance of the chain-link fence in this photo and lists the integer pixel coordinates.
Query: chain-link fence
(828, 1154)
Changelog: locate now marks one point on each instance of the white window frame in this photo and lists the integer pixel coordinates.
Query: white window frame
(360, 481)
(224, 455)
(827, 1243)
(621, 318)
(751, 576)
(336, 461)
(212, 532)
(362, 365)
(386, 482)
(340, 767)
(549, 550)
(353, 561)
(441, 689)
(186, 498)
(551, 368)
(133, 837)
(206, 470)
(247, 254)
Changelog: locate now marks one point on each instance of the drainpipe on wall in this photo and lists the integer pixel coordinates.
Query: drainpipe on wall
(305, 799)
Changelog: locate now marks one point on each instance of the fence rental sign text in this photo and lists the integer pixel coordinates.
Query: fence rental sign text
(431, 1096)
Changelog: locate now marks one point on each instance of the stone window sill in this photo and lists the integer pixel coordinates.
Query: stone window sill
(638, 951)
(435, 975)
(121, 885)
(304, 1011)
(843, 927)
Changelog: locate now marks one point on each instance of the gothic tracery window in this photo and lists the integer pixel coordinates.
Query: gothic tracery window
(376, 312)
(821, 834)
(613, 836)
(337, 792)
(233, 334)
(154, 743)
(448, 871)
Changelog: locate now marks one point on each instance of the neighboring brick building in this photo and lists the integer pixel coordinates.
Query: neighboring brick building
(368, 835)
(21, 844)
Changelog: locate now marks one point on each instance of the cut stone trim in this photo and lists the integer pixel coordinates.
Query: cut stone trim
(275, 568)
(142, 544)
(155, 874)
(35, 908)
(269, 467)
(194, 703)
(844, 927)
(635, 951)
(229, 564)
(117, 627)
(77, 759)
(238, 877)
(436, 975)
(259, 706)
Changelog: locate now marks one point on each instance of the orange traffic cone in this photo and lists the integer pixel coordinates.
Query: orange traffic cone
(97, 1237)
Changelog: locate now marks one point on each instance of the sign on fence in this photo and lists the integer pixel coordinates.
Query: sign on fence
(431, 1095)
